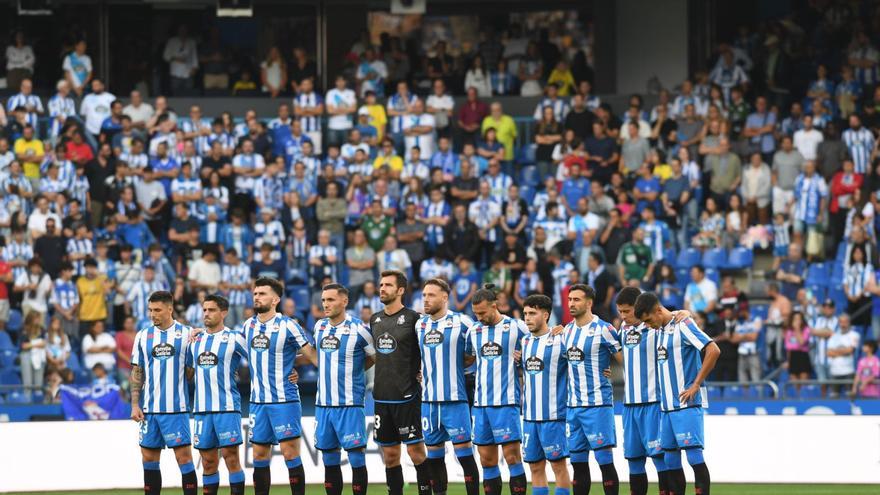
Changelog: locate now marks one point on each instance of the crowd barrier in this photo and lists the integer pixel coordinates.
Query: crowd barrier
(740, 449)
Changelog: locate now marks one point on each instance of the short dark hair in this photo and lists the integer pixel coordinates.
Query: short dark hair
(337, 287)
(645, 303)
(628, 295)
(438, 282)
(161, 296)
(66, 266)
(399, 277)
(274, 284)
(485, 294)
(699, 268)
(588, 291)
(219, 300)
(872, 344)
(539, 301)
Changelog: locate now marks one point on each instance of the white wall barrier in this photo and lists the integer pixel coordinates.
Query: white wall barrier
(92, 455)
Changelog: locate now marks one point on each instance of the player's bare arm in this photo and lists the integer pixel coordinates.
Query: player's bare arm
(710, 357)
(137, 382)
(308, 351)
(369, 361)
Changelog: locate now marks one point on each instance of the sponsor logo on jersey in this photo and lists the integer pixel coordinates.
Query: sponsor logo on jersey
(224, 338)
(574, 355)
(329, 343)
(386, 344)
(534, 365)
(401, 320)
(433, 338)
(632, 338)
(491, 350)
(208, 359)
(260, 342)
(662, 353)
(163, 351)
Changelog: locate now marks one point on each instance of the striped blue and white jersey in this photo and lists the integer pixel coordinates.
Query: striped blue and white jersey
(187, 126)
(309, 101)
(679, 362)
(342, 350)
(64, 294)
(496, 375)
(588, 350)
(639, 363)
(80, 246)
(820, 344)
(236, 275)
(399, 103)
(18, 251)
(860, 143)
(23, 100)
(443, 344)
(560, 108)
(60, 109)
(272, 349)
(808, 195)
(545, 377)
(215, 357)
(139, 294)
(161, 353)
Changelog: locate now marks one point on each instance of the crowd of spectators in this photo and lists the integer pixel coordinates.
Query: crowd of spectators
(106, 201)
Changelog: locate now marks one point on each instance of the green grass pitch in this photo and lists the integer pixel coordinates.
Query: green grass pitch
(458, 489)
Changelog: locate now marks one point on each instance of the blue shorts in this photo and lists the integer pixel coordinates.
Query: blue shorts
(496, 425)
(337, 427)
(158, 431)
(274, 423)
(641, 430)
(445, 421)
(219, 429)
(544, 440)
(590, 428)
(682, 429)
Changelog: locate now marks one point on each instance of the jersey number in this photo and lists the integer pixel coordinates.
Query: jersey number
(252, 420)
(526, 440)
(426, 424)
(199, 424)
(377, 422)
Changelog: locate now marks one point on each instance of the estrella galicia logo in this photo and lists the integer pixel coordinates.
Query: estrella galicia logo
(491, 350)
(662, 353)
(163, 351)
(575, 355)
(260, 342)
(632, 338)
(330, 343)
(534, 365)
(433, 338)
(208, 359)
(386, 343)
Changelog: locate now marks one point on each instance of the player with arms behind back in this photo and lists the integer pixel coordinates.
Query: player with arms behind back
(494, 340)
(546, 380)
(158, 360)
(214, 357)
(275, 414)
(685, 357)
(445, 411)
(396, 388)
(345, 351)
(590, 342)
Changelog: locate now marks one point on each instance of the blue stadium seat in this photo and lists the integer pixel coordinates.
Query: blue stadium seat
(9, 377)
(760, 311)
(73, 362)
(529, 176)
(682, 277)
(18, 398)
(841, 252)
(733, 392)
(525, 155)
(714, 275)
(818, 274)
(301, 297)
(810, 392)
(837, 275)
(6, 342)
(740, 258)
(7, 358)
(688, 257)
(836, 294)
(820, 292)
(82, 377)
(714, 258)
(15, 321)
(669, 256)
(714, 392)
(527, 192)
(673, 301)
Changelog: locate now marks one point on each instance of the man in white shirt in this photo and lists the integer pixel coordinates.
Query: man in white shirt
(37, 220)
(182, 56)
(371, 74)
(341, 103)
(98, 347)
(139, 111)
(440, 104)
(806, 140)
(204, 273)
(418, 129)
(842, 347)
(702, 293)
(19, 61)
(36, 287)
(77, 67)
(95, 107)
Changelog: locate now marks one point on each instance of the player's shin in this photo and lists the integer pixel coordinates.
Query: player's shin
(190, 480)
(662, 474)
(465, 456)
(580, 483)
(359, 478)
(423, 477)
(236, 482)
(210, 483)
(517, 479)
(638, 477)
(491, 480)
(701, 472)
(296, 475)
(610, 481)
(437, 464)
(394, 480)
(674, 473)
(152, 478)
(262, 477)
(332, 473)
